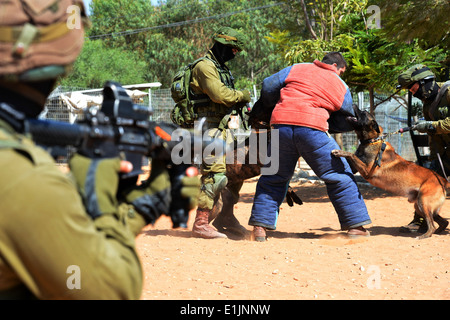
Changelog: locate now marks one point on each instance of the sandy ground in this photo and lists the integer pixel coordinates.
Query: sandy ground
(307, 257)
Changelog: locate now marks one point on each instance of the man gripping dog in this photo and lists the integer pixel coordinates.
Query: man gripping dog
(306, 96)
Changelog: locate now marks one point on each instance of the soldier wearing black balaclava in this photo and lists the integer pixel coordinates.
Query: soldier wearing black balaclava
(212, 82)
(435, 96)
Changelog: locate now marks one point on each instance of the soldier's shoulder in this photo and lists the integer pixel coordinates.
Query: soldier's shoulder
(25, 146)
(205, 62)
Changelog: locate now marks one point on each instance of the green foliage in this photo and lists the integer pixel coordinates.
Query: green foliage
(168, 36)
(426, 20)
(98, 64)
(138, 42)
(375, 61)
(309, 50)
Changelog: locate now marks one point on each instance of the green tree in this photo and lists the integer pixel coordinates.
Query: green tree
(98, 64)
(116, 23)
(426, 22)
(374, 59)
(177, 32)
(406, 20)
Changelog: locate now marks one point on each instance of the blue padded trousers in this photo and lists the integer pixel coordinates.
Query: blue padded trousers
(314, 146)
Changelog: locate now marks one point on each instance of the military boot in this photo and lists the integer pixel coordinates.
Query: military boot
(202, 228)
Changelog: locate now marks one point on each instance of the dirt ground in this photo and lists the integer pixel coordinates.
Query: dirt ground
(307, 257)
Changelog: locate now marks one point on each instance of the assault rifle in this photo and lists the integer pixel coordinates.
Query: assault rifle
(120, 127)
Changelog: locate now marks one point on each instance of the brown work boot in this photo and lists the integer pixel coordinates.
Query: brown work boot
(259, 234)
(202, 229)
(358, 232)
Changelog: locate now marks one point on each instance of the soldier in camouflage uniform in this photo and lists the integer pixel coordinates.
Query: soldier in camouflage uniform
(435, 96)
(212, 80)
(51, 247)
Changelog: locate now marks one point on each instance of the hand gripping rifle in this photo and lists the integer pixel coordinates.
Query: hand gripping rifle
(120, 127)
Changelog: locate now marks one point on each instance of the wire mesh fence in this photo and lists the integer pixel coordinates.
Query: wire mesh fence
(65, 104)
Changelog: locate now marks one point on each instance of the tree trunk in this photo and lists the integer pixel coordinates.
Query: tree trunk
(308, 23)
(372, 100)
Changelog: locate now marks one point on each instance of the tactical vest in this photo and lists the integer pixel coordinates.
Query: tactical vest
(191, 106)
(215, 113)
(186, 110)
(440, 108)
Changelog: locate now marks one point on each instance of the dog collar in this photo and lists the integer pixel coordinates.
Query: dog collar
(380, 154)
(373, 140)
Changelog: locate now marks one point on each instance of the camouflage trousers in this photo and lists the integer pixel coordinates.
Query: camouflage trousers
(213, 171)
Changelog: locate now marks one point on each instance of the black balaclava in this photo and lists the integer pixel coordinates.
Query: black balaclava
(24, 104)
(222, 52)
(428, 90)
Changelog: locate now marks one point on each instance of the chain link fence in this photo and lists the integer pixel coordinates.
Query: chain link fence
(64, 104)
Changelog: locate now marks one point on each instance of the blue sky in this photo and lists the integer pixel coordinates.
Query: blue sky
(87, 3)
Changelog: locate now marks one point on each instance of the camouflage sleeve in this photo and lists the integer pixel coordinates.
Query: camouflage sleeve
(206, 80)
(442, 126)
(60, 252)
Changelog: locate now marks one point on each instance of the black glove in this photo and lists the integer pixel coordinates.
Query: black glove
(152, 198)
(292, 197)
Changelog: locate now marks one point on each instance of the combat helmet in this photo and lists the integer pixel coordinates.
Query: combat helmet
(416, 73)
(39, 39)
(39, 42)
(230, 37)
(422, 75)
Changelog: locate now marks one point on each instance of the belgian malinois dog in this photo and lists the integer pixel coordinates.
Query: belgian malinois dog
(379, 164)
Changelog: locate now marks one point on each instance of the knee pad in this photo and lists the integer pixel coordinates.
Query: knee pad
(212, 185)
